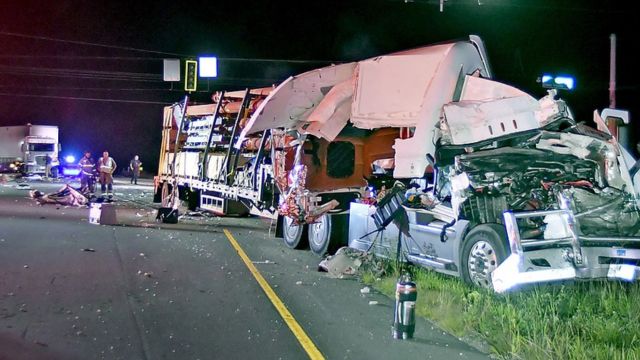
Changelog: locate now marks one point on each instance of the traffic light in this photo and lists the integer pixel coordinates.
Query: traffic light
(191, 75)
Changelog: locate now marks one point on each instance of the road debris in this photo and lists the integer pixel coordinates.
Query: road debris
(347, 262)
(264, 262)
(66, 195)
(365, 290)
(373, 302)
(89, 250)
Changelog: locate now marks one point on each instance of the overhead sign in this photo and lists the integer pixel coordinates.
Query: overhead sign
(171, 70)
(191, 75)
(208, 66)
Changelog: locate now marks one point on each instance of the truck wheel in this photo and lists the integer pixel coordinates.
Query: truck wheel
(326, 234)
(484, 248)
(157, 195)
(193, 199)
(295, 236)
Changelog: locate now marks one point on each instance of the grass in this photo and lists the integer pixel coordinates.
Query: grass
(586, 320)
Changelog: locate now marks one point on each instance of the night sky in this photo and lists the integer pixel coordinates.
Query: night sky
(48, 70)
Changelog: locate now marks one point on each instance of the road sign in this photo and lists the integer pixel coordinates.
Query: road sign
(191, 75)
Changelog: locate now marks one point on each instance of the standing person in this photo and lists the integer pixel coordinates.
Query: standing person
(47, 166)
(106, 167)
(134, 165)
(87, 166)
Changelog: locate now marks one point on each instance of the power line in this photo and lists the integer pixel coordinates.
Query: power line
(85, 43)
(47, 70)
(142, 58)
(84, 88)
(87, 99)
(294, 61)
(79, 57)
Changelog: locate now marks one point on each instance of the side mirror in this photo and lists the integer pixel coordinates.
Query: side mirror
(615, 114)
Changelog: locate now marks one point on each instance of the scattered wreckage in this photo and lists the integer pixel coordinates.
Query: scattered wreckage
(66, 195)
(492, 185)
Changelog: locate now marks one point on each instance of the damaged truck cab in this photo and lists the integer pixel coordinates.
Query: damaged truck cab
(491, 184)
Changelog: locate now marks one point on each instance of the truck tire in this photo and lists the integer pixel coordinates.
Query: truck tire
(193, 199)
(157, 195)
(327, 234)
(295, 236)
(483, 249)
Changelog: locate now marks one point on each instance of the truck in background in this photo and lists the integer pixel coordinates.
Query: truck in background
(25, 148)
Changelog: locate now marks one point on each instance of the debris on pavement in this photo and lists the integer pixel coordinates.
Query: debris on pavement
(347, 262)
(89, 250)
(23, 186)
(365, 290)
(298, 282)
(264, 262)
(373, 302)
(65, 196)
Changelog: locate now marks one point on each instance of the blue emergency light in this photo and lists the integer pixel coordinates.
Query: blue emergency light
(557, 82)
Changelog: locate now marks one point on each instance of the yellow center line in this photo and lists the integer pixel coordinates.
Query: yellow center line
(296, 329)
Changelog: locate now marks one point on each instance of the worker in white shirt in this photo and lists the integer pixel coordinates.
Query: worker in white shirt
(106, 167)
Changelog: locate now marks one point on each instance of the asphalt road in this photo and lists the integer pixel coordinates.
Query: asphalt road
(141, 290)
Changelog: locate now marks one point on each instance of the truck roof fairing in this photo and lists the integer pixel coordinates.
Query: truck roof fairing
(403, 89)
(289, 104)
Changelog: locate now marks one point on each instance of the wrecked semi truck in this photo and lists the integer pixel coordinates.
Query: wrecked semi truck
(200, 166)
(25, 148)
(491, 184)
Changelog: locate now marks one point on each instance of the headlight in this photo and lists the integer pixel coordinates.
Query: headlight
(70, 159)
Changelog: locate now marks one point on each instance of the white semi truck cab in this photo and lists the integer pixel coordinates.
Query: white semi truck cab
(25, 148)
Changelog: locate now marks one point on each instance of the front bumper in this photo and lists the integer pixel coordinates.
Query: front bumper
(570, 257)
(599, 263)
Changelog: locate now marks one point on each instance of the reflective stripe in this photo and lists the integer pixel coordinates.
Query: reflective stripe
(106, 166)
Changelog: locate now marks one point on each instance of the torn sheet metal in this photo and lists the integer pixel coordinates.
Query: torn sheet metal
(488, 109)
(294, 100)
(332, 113)
(66, 195)
(439, 71)
(474, 121)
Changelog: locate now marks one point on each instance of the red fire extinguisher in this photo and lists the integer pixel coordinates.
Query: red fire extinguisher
(404, 319)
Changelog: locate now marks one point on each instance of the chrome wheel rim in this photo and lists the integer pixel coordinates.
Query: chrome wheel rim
(291, 231)
(318, 232)
(481, 263)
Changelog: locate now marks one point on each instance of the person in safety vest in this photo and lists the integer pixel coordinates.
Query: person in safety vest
(87, 167)
(106, 167)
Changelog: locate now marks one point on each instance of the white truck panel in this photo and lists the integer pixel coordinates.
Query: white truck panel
(11, 139)
(293, 100)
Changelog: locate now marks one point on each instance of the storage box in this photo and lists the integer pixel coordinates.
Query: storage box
(387, 207)
(102, 214)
